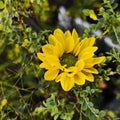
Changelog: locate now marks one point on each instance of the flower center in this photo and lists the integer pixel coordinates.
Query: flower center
(68, 59)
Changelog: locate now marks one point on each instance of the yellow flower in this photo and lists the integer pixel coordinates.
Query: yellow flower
(3, 103)
(93, 16)
(69, 60)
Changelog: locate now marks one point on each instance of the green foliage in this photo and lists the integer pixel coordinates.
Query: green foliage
(65, 109)
(24, 27)
(57, 109)
(87, 106)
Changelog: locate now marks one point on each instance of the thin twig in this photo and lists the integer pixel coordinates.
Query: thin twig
(117, 38)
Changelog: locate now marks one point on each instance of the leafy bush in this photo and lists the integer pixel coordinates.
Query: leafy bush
(25, 26)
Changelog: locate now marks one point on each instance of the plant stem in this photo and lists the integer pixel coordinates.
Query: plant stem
(116, 35)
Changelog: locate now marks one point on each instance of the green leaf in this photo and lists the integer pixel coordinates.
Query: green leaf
(56, 116)
(102, 113)
(84, 106)
(115, 5)
(107, 78)
(39, 110)
(118, 69)
(81, 101)
(54, 110)
(112, 1)
(2, 5)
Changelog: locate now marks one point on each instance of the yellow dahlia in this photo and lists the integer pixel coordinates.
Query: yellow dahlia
(69, 60)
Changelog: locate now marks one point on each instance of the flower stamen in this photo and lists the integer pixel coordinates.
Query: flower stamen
(68, 59)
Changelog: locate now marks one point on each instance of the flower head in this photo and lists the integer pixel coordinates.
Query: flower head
(69, 60)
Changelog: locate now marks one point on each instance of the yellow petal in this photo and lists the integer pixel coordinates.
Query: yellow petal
(71, 71)
(59, 77)
(75, 36)
(51, 74)
(51, 61)
(89, 76)
(88, 49)
(93, 61)
(41, 56)
(80, 65)
(67, 34)
(58, 31)
(45, 65)
(69, 44)
(59, 48)
(86, 55)
(67, 83)
(60, 36)
(90, 70)
(76, 49)
(76, 41)
(87, 42)
(85, 46)
(52, 39)
(98, 60)
(79, 78)
(48, 49)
